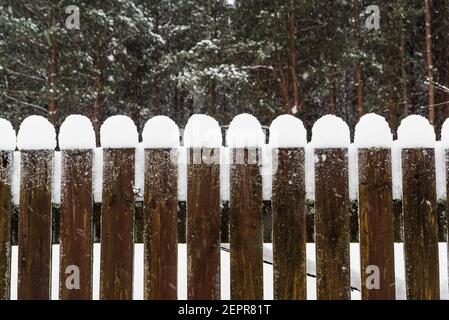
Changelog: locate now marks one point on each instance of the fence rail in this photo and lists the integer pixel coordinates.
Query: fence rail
(126, 186)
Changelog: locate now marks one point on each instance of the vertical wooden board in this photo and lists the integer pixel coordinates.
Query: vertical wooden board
(35, 217)
(224, 222)
(6, 158)
(76, 225)
(246, 226)
(182, 216)
(398, 221)
(117, 224)
(267, 222)
(420, 224)
(160, 225)
(376, 224)
(332, 224)
(289, 226)
(203, 225)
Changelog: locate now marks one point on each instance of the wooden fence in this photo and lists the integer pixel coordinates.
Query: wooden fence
(208, 222)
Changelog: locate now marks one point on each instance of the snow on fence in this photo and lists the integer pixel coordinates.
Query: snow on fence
(224, 189)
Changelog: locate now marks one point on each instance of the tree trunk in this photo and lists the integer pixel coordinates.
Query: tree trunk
(280, 78)
(53, 107)
(429, 59)
(333, 96)
(358, 67)
(96, 112)
(405, 108)
(155, 81)
(211, 100)
(155, 96)
(293, 57)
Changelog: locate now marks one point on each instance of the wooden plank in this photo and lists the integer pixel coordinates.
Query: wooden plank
(246, 226)
(289, 226)
(117, 224)
(267, 222)
(160, 225)
(76, 221)
(420, 224)
(182, 216)
(35, 220)
(225, 222)
(332, 224)
(203, 225)
(398, 221)
(376, 224)
(6, 161)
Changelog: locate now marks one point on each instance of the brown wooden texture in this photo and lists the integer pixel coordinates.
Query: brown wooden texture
(332, 224)
(35, 225)
(376, 223)
(420, 224)
(5, 223)
(117, 224)
(203, 224)
(398, 221)
(160, 225)
(267, 222)
(76, 221)
(289, 226)
(225, 222)
(246, 226)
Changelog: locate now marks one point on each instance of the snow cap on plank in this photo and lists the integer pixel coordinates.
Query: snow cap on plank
(287, 131)
(330, 132)
(7, 136)
(445, 134)
(373, 131)
(416, 132)
(202, 131)
(119, 132)
(76, 132)
(36, 133)
(245, 131)
(160, 132)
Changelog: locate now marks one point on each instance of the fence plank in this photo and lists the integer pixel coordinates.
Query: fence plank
(76, 221)
(332, 224)
(35, 220)
(6, 158)
(117, 224)
(376, 223)
(420, 224)
(160, 225)
(203, 224)
(246, 226)
(289, 225)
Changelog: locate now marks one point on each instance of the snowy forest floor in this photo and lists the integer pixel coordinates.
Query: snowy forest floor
(225, 271)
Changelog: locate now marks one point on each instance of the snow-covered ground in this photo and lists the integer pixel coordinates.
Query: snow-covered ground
(225, 271)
